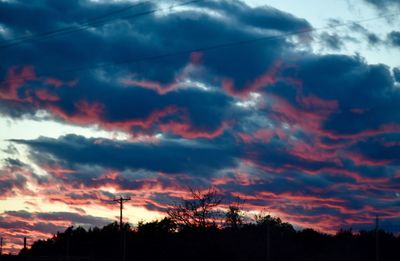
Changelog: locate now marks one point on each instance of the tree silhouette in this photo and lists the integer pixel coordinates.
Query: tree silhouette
(165, 226)
(198, 211)
(234, 217)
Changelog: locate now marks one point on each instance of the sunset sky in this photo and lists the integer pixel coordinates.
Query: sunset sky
(291, 106)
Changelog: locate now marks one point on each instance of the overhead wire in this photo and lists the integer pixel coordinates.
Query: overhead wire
(82, 26)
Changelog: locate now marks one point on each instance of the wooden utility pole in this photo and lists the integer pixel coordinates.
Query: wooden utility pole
(377, 238)
(25, 247)
(1, 248)
(121, 201)
(268, 242)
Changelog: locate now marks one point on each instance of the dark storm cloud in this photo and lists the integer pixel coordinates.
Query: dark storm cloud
(332, 41)
(394, 38)
(384, 149)
(264, 17)
(384, 4)
(372, 38)
(365, 93)
(87, 161)
(64, 94)
(396, 74)
(277, 156)
(164, 156)
(149, 35)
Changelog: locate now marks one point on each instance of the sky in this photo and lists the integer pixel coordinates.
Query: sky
(293, 107)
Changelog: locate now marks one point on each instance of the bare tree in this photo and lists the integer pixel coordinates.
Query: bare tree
(198, 211)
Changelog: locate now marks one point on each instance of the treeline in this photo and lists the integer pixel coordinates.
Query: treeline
(197, 230)
(159, 240)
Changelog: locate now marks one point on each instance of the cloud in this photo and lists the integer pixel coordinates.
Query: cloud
(384, 4)
(8, 187)
(278, 177)
(364, 93)
(13, 178)
(263, 17)
(332, 41)
(383, 150)
(396, 74)
(164, 156)
(372, 38)
(15, 225)
(394, 38)
(181, 109)
(74, 218)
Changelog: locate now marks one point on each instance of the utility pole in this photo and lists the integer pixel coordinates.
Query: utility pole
(25, 248)
(268, 242)
(68, 246)
(377, 238)
(1, 248)
(121, 201)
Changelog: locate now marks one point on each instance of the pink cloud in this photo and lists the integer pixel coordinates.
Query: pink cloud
(187, 131)
(151, 85)
(196, 58)
(15, 79)
(194, 63)
(268, 78)
(44, 95)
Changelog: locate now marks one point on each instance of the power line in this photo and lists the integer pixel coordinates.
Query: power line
(203, 49)
(83, 25)
(97, 21)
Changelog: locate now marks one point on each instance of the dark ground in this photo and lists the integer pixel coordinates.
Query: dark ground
(269, 239)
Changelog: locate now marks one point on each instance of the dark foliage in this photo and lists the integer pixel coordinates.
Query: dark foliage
(160, 240)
